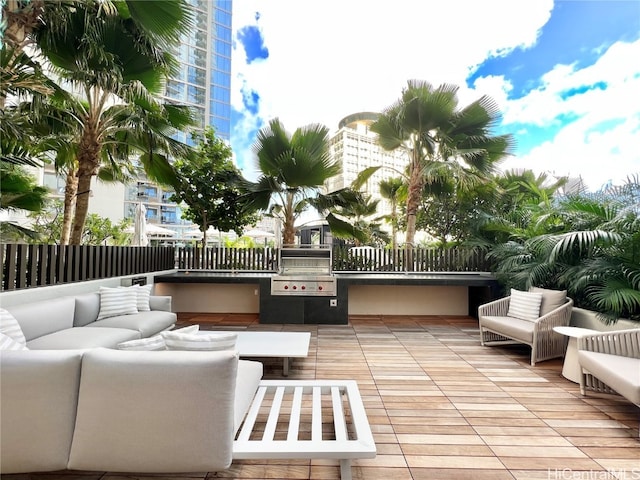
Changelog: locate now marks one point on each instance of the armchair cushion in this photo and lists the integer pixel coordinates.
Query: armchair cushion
(551, 299)
(524, 305)
(520, 330)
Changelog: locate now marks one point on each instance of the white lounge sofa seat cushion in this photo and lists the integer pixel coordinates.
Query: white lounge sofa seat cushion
(39, 394)
(83, 337)
(147, 323)
(518, 329)
(135, 410)
(620, 373)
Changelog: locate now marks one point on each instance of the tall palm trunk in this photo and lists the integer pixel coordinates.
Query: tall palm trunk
(70, 191)
(289, 232)
(88, 166)
(414, 194)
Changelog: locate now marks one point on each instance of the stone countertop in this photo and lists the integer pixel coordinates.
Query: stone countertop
(351, 278)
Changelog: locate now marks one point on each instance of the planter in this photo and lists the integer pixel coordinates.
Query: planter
(589, 319)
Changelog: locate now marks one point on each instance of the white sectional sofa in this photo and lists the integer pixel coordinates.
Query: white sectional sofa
(67, 402)
(129, 411)
(71, 322)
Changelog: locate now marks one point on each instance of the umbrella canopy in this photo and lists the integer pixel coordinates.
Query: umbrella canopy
(257, 233)
(140, 237)
(158, 231)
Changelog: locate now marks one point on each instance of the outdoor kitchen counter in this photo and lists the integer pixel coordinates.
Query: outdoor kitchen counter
(385, 292)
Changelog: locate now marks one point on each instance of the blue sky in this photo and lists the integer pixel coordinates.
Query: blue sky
(566, 74)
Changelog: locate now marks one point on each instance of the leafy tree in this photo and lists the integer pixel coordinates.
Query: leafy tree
(211, 186)
(19, 192)
(439, 138)
(116, 55)
(97, 231)
(293, 170)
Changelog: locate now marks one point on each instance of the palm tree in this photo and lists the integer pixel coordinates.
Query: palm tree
(588, 244)
(116, 59)
(440, 137)
(293, 169)
(393, 189)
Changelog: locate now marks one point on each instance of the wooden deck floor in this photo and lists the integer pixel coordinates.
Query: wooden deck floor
(443, 407)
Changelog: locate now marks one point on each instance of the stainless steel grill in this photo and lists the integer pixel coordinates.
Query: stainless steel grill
(304, 271)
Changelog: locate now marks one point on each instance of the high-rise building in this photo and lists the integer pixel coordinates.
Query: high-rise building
(203, 82)
(356, 148)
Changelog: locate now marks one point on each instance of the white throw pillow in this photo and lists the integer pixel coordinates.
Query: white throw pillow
(524, 305)
(10, 327)
(200, 341)
(117, 301)
(9, 343)
(189, 329)
(144, 292)
(152, 343)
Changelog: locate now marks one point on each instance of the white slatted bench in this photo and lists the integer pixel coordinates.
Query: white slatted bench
(280, 405)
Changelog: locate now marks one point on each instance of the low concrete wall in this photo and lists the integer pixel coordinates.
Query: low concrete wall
(27, 295)
(212, 297)
(408, 300)
(589, 319)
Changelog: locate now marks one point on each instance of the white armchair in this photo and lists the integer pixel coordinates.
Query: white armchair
(499, 325)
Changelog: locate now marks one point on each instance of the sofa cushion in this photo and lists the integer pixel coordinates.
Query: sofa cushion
(521, 330)
(200, 341)
(41, 318)
(524, 305)
(39, 395)
(87, 309)
(117, 301)
(8, 343)
(147, 323)
(83, 337)
(551, 299)
(152, 343)
(155, 412)
(249, 376)
(620, 373)
(10, 327)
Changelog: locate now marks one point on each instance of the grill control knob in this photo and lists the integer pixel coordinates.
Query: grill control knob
(286, 287)
(303, 287)
(319, 287)
(295, 288)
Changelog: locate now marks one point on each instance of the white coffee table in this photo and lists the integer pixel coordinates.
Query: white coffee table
(271, 344)
(571, 368)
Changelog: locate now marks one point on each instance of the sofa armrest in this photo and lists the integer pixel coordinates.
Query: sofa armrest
(625, 343)
(160, 302)
(39, 395)
(496, 308)
(155, 412)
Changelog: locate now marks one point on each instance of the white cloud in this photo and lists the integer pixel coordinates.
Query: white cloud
(331, 58)
(602, 144)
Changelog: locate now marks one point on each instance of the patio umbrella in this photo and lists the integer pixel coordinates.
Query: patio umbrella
(140, 237)
(257, 233)
(158, 231)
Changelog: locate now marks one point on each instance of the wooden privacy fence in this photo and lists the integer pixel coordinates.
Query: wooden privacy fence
(456, 259)
(25, 266)
(227, 258)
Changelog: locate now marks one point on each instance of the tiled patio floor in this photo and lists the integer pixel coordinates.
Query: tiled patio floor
(443, 407)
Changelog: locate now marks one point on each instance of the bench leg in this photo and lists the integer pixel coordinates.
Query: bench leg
(285, 367)
(345, 469)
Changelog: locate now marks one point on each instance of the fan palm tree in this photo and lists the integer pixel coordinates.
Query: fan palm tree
(293, 169)
(394, 190)
(116, 56)
(440, 137)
